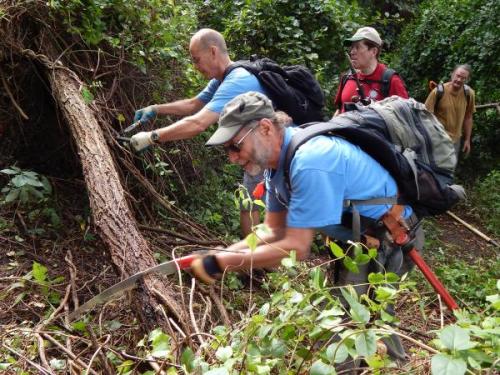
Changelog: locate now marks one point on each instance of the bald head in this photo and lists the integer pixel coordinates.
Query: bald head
(206, 38)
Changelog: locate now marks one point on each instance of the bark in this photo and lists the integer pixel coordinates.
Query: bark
(111, 214)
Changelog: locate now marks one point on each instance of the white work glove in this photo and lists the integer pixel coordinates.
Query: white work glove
(141, 141)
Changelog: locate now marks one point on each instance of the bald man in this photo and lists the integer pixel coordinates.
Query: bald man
(210, 57)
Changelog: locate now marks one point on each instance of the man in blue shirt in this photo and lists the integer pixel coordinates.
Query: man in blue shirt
(210, 57)
(324, 173)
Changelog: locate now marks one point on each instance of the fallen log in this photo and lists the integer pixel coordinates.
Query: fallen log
(111, 214)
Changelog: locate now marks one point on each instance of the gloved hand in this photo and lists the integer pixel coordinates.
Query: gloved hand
(206, 268)
(141, 141)
(145, 115)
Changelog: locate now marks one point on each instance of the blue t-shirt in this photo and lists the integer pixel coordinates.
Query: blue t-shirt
(324, 172)
(216, 94)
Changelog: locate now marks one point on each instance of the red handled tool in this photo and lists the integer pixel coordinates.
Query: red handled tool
(167, 268)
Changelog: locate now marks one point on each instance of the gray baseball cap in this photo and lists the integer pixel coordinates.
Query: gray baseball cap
(238, 112)
(368, 33)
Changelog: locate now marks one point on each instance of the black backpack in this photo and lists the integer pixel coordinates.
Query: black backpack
(385, 82)
(440, 93)
(422, 182)
(292, 89)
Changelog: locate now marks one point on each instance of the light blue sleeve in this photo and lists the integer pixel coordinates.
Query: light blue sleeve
(208, 92)
(237, 82)
(317, 198)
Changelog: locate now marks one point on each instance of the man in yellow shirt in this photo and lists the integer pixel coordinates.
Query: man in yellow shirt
(453, 103)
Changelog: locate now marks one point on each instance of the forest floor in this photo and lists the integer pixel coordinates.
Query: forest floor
(23, 304)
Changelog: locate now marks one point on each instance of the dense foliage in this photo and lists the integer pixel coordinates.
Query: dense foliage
(294, 323)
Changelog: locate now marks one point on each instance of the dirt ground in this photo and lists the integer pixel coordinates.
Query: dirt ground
(93, 272)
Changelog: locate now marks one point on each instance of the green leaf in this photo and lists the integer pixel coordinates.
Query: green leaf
(321, 368)
(362, 259)
(372, 253)
(384, 293)
(224, 353)
(366, 343)
(296, 297)
(360, 313)
(278, 348)
(39, 272)
(336, 250)
(391, 277)
(87, 95)
(455, 338)
(375, 278)
(160, 343)
(291, 261)
(337, 353)
(10, 171)
(12, 196)
(252, 240)
(79, 325)
(187, 359)
(442, 364)
(4, 366)
(217, 371)
(350, 264)
(57, 364)
(264, 310)
(113, 325)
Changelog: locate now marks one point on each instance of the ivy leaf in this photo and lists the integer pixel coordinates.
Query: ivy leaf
(366, 343)
(57, 364)
(442, 364)
(291, 261)
(375, 278)
(455, 338)
(160, 343)
(87, 95)
(337, 353)
(350, 264)
(336, 250)
(217, 371)
(321, 368)
(187, 359)
(39, 272)
(278, 348)
(252, 241)
(79, 325)
(391, 277)
(372, 253)
(362, 259)
(224, 353)
(264, 310)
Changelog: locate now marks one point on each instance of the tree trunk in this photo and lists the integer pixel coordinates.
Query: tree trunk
(112, 216)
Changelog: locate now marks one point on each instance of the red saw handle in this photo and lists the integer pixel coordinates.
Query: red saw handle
(432, 278)
(185, 262)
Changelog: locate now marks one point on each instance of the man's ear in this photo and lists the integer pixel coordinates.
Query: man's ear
(265, 126)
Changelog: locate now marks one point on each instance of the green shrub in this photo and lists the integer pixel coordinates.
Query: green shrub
(486, 200)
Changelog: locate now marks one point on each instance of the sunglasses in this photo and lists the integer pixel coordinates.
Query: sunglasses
(236, 147)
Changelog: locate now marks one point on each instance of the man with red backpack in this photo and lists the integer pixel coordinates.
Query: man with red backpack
(376, 81)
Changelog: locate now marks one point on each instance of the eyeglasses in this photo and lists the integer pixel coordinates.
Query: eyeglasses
(236, 147)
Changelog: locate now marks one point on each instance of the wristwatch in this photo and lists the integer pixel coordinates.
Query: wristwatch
(155, 137)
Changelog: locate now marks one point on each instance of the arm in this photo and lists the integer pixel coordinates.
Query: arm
(467, 127)
(189, 126)
(184, 107)
(270, 254)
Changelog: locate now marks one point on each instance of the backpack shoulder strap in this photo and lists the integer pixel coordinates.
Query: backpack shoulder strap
(439, 95)
(467, 94)
(308, 131)
(386, 81)
(252, 66)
